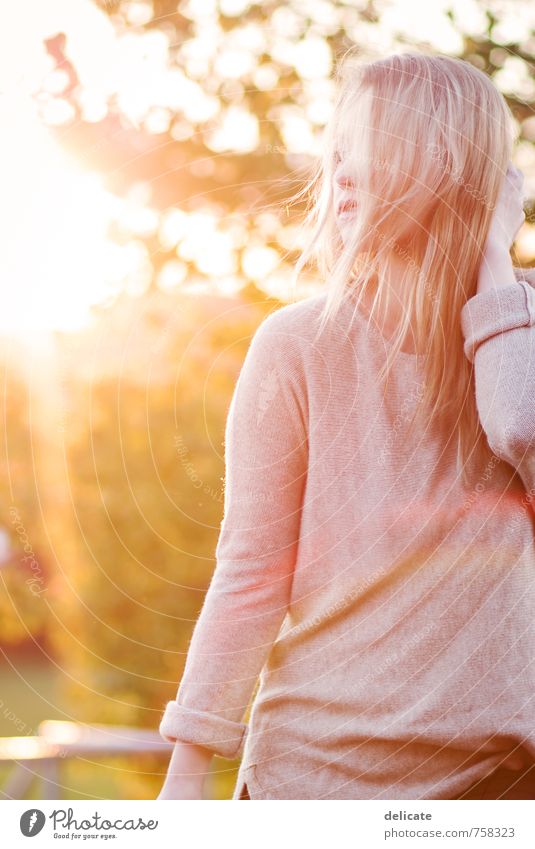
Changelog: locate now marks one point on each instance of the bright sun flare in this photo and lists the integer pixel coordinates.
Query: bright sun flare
(57, 259)
(54, 219)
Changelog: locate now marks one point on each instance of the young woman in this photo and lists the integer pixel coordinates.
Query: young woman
(376, 560)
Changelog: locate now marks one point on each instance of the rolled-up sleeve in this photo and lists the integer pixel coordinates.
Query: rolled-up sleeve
(496, 311)
(266, 458)
(499, 338)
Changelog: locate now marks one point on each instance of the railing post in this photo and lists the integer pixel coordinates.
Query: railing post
(40, 755)
(49, 772)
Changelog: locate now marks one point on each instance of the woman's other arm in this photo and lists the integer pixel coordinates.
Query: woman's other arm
(188, 767)
(266, 457)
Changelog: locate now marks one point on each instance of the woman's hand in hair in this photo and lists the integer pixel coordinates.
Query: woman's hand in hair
(509, 211)
(496, 267)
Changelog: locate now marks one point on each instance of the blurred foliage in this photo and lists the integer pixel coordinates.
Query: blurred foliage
(221, 105)
(146, 461)
(28, 568)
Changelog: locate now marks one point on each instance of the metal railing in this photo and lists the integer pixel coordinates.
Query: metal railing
(39, 757)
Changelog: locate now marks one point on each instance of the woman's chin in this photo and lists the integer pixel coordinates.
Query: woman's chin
(345, 224)
(345, 218)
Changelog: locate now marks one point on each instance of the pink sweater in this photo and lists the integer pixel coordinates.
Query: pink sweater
(389, 610)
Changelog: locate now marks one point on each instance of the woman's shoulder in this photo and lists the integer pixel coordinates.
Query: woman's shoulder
(294, 310)
(298, 318)
(286, 339)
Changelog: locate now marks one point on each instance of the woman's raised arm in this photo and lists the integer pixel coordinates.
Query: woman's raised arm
(499, 331)
(499, 337)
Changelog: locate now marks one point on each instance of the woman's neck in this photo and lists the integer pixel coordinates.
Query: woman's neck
(389, 310)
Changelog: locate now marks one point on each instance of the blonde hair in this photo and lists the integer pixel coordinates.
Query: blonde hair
(436, 137)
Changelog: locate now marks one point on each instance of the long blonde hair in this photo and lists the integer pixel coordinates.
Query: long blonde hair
(436, 137)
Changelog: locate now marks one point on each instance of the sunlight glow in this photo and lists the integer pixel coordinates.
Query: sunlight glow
(423, 22)
(296, 130)
(259, 261)
(514, 78)
(54, 217)
(201, 230)
(234, 64)
(139, 12)
(525, 243)
(59, 257)
(313, 57)
(57, 731)
(229, 286)
(172, 274)
(238, 131)
(172, 227)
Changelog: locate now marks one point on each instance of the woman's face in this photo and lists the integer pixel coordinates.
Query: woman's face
(348, 184)
(344, 193)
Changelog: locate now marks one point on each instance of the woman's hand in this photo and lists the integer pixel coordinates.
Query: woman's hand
(181, 788)
(496, 268)
(509, 211)
(187, 771)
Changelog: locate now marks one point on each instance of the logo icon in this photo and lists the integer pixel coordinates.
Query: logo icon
(31, 822)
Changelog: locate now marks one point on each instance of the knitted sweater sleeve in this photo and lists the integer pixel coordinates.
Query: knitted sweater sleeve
(499, 332)
(266, 458)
